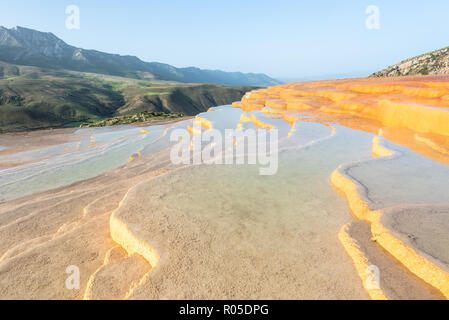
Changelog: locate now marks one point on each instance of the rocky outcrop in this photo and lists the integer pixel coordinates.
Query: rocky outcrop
(436, 62)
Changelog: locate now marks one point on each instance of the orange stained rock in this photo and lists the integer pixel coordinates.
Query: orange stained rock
(433, 146)
(193, 130)
(122, 235)
(290, 119)
(203, 122)
(276, 104)
(256, 122)
(379, 150)
(437, 84)
(248, 107)
(426, 119)
(332, 95)
(418, 103)
(413, 111)
(361, 263)
(375, 89)
(359, 207)
(237, 104)
(244, 118)
(272, 112)
(292, 130)
(425, 92)
(144, 131)
(297, 104)
(413, 261)
(439, 147)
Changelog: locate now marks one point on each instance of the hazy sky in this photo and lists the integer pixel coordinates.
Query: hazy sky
(284, 39)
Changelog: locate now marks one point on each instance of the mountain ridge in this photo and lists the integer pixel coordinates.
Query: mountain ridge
(29, 47)
(434, 62)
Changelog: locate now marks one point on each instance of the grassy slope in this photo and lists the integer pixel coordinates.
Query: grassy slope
(36, 98)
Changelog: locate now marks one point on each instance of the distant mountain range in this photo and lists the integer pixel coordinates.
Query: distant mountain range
(23, 46)
(435, 62)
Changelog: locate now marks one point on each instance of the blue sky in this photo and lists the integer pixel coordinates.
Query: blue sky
(285, 39)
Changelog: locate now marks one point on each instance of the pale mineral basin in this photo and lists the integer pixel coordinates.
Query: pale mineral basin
(361, 190)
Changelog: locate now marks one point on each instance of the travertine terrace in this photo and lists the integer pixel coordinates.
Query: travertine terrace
(362, 186)
(412, 111)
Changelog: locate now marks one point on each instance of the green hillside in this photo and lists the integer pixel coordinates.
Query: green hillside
(37, 98)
